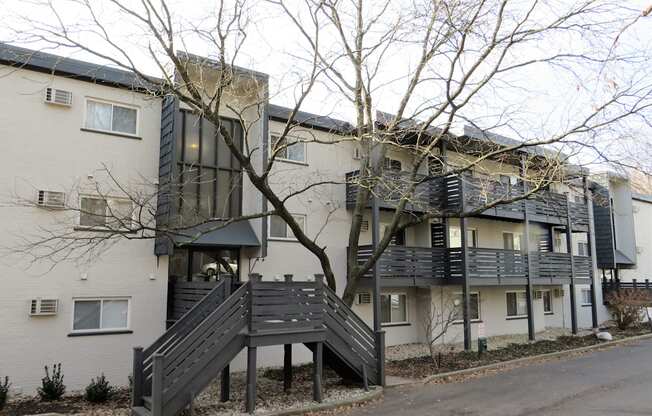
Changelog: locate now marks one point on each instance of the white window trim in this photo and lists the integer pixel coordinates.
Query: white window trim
(513, 233)
(298, 141)
(112, 103)
(507, 312)
(457, 321)
(582, 290)
(108, 200)
(477, 236)
(552, 302)
(288, 230)
(407, 310)
(101, 299)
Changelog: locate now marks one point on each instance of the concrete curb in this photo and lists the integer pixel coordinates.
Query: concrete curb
(376, 393)
(524, 360)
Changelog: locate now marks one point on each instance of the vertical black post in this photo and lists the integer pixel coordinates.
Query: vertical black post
(158, 369)
(466, 287)
(317, 370)
(251, 380)
(634, 284)
(287, 367)
(526, 251)
(253, 279)
(569, 245)
(137, 392)
(225, 385)
(590, 238)
(378, 332)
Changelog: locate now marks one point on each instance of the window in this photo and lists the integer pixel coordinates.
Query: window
(393, 164)
(111, 117)
(474, 301)
(97, 212)
(293, 150)
(393, 309)
(547, 302)
(279, 229)
(516, 304)
(582, 249)
(511, 241)
(108, 314)
(586, 296)
(208, 178)
(455, 238)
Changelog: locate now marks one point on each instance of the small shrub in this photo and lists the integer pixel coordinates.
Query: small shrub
(4, 391)
(627, 306)
(99, 390)
(52, 385)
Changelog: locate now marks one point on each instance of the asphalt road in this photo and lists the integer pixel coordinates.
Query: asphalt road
(616, 381)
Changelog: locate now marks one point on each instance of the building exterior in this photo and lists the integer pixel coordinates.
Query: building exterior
(509, 269)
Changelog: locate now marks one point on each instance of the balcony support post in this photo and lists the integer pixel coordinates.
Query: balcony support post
(528, 264)
(569, 248)
(588, 202)
(466, 287)
(378, 331)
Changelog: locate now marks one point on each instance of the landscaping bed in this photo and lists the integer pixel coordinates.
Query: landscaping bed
(270, 396)
(423, 366)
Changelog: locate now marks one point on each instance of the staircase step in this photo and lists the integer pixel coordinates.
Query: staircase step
(147, 402)
(140, 411)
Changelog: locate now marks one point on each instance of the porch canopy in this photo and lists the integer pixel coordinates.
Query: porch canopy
(236, 234)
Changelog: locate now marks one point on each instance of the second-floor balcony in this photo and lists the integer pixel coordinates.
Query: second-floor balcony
(424, 266)
(447, 194)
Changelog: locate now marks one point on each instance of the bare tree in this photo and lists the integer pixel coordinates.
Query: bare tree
(441, 317)
(444, 63)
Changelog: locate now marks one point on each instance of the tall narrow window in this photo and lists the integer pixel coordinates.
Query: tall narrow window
(547, 302)
(511, 241)
(474, 301)
(208, 177)
(393, 308)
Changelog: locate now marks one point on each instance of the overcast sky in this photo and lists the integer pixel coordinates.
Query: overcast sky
(538, 96)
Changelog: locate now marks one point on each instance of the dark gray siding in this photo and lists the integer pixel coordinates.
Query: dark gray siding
(604, 238)
(165, 206)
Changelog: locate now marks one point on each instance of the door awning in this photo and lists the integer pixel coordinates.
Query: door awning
(237, 234)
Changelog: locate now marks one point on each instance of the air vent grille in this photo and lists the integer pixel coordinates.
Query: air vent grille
(58, 97)
(42, 307)
(51, 199)
(364, 298)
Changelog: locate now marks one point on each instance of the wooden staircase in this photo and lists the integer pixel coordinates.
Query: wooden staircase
(201, 344)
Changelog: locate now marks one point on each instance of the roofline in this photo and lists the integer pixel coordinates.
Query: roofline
(310, 120)
(642, 197)
(38, 61)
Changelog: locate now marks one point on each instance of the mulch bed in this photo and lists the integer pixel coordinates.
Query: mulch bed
(421, 367)
(68, 404)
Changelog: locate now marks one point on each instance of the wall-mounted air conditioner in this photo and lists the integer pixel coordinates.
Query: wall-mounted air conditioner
(363, 298)
(51, 199)
(43, 307)
(558, 293)
(58, 97)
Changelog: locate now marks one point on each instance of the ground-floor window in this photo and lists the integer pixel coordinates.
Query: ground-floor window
(586, 296)
(198, 264)
(393, 308)
(516, 304)
(100, 314)
(547, 301)
(474, 301)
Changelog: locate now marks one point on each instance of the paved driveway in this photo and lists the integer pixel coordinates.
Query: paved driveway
(617, 381)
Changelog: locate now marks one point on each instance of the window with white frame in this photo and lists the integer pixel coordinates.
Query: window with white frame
(516, 304)
(289, 148)
(455, 236)
(582, 248)
(586, 296)
(100, 314)
(393, 308)
(278, 228)
(546, 296)
(511, 241)
(99, 212)
(474, 310)
(109, 117)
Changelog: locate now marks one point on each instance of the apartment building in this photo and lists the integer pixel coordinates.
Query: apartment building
(517, 268)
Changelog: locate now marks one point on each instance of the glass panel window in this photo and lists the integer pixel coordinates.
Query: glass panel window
(393, 308)
(474, 301)
(512, 241)
(471, 238)
(100, 314)
(111, 117)
(99, 212)
(516, 304)
(455, 236)
(547, 301)
(586, 296)
(93, 212)
(279, 229)
(582, 249)
(289, 149)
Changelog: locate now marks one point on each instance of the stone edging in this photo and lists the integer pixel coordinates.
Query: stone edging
(526, 359)
(376, 393)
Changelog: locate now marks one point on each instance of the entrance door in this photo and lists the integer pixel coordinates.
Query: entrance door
(204, 264)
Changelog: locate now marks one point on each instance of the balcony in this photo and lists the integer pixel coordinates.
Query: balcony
(445, 195)
(425, 266)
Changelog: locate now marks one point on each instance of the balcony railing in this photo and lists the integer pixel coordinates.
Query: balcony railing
(446, 194)
(442, 264)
